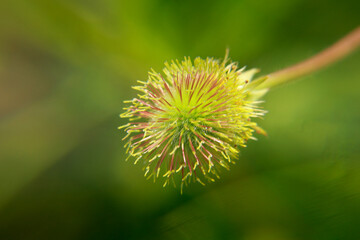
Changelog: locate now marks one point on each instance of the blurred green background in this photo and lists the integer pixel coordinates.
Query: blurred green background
(67, 65)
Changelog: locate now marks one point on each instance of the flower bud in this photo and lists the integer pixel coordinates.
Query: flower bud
(190, 120)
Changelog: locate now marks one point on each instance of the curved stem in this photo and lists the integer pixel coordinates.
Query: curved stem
(328, 56)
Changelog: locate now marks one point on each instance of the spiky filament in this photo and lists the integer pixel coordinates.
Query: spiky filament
(192, 118)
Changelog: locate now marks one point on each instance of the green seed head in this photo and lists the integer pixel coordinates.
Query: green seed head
(190, 119)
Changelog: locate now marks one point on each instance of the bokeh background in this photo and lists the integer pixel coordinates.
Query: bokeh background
(67, 65)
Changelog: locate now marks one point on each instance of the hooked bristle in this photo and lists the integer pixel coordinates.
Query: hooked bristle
(191, 119)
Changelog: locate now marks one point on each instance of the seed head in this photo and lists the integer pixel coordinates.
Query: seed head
(190, 119)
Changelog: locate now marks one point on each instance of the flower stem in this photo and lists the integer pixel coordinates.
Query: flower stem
(328, 56)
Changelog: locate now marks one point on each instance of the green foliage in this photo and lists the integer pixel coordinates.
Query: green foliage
(65, 68)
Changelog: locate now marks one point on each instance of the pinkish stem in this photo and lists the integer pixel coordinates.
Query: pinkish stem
(337, 51)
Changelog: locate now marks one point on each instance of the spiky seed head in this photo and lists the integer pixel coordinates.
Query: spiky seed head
(189, 121)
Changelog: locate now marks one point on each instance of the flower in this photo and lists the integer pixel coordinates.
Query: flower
(190, 120)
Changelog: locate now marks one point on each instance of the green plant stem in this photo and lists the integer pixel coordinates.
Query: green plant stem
(337, 51)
